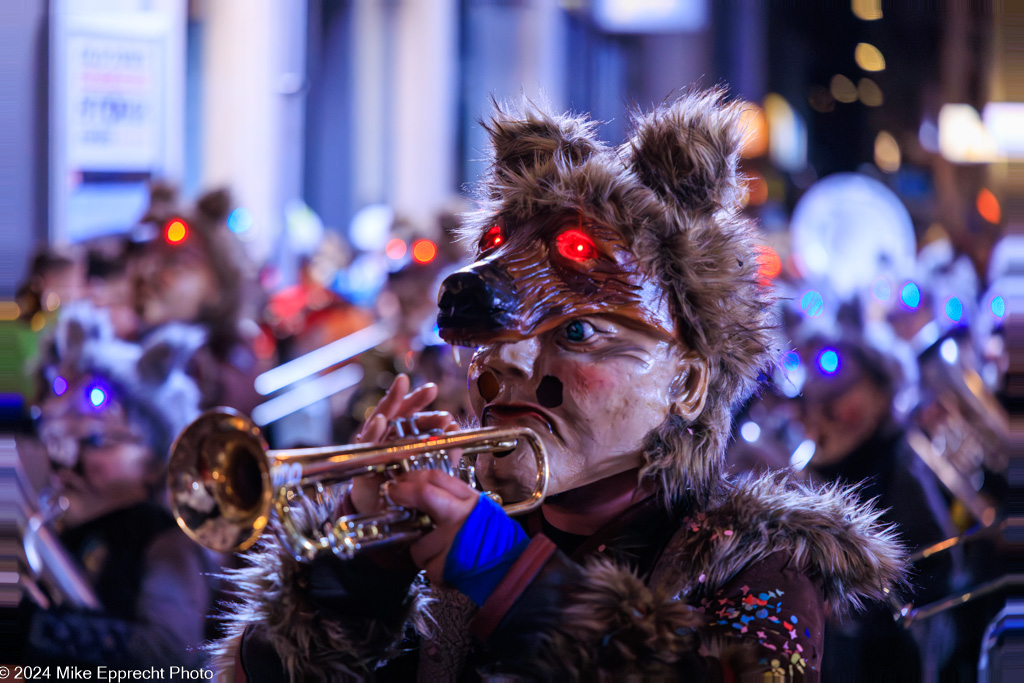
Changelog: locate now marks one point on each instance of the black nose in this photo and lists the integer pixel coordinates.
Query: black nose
(474, 301)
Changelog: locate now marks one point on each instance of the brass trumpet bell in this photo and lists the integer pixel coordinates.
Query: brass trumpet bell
(224, 482)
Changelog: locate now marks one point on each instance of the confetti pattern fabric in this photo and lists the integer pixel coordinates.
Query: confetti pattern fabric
(768, 603)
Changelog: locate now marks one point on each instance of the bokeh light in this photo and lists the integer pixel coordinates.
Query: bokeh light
(998, 306)
(757, 190)
(910, 295)
(60, 386)
(949, 351)
(843, 89)
(812, 303)
(239, 220)
(769, 265)
(869, 93)
(750, 432)
(954, 309)
(98, 395)
(790, 360)
(869, 57)
(887, 152)
(395, 248)
(423, 251)
(988, 206)
(753, 120)
(828, 361)
(867, 10)
(176, 232)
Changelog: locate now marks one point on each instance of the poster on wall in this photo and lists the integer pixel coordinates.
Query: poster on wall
(116, 110)
(114, 103)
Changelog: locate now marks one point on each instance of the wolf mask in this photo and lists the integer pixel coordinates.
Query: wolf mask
(650, 231)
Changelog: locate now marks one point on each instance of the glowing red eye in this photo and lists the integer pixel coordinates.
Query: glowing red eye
(176, 231)
(492, 238)
(576, 245)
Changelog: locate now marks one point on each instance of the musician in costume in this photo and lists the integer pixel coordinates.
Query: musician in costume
(617, 312)
(108, 410)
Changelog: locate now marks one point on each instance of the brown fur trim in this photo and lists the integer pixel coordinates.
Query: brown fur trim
(828, 533)
(614, 624)
(272, 601)
(673, 191)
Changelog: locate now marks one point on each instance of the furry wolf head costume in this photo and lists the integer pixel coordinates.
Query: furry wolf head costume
(654, 222)
(643, 251)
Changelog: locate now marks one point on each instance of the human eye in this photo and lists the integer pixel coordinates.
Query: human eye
(579, 331)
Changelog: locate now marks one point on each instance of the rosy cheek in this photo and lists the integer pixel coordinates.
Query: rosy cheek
(583, 382)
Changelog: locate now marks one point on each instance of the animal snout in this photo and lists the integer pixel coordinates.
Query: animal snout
(474, 303)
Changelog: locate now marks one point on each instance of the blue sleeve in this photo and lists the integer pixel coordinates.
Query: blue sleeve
(484, 549)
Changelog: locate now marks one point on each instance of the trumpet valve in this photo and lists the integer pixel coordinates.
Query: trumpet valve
(352, 534)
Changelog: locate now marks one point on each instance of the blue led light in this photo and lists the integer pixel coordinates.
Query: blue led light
(811, 303)
(881, 289)
(97, 396)
(239, 220)
(791, 360)
(60, 385)
(828, 361)
(910, 295)
(998, 306)
(954, 309)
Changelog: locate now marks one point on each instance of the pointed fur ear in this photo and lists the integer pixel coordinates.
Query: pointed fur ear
(527, 138)
(215, 205)
(690, 387)
(163, 203)
(688, 152)
(168, 349)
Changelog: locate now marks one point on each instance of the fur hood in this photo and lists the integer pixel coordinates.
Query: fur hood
(827, 533)
(674, 192)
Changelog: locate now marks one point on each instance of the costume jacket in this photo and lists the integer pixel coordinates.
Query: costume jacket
(743, 585)
(150, 579)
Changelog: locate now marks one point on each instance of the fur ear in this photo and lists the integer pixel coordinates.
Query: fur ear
(525, 141)
(687, 152)
(163, 203)
(215, 205)
(168, 349)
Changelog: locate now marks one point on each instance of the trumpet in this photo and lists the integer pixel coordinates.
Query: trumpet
(49, 563)
(224, 482)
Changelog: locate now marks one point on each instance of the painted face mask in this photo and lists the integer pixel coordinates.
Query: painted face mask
(577, 344)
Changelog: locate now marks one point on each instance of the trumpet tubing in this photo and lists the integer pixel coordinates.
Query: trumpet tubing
(224, 482)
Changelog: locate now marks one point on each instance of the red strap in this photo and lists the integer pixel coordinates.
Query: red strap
(520, 574)
(240, 676)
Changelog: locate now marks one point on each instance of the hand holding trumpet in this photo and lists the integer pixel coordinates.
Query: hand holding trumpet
(225, 484)
(448, 501)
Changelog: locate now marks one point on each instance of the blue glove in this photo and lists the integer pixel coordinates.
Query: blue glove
(484, 550)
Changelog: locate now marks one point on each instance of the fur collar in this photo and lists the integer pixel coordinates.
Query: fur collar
(828, 531)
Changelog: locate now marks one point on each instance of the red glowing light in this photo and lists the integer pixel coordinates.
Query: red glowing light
(423, 251)
(492, 239)
(176, 231)
(395, 248)
(576, 245)
(769, 265)
(988, 206)
(757, 190)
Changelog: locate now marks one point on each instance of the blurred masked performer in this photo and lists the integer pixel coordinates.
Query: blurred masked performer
(192, 269)
(617, 310)
(108, 410)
